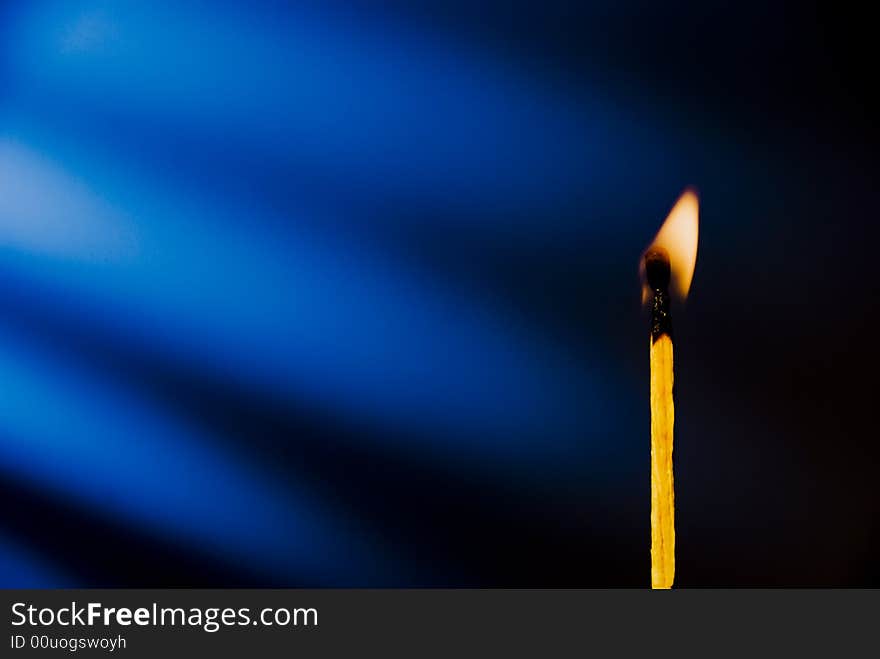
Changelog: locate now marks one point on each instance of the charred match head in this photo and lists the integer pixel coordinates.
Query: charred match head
(668, 263)
(657, 270)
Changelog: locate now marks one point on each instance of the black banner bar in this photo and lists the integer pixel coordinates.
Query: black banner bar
(412, 623)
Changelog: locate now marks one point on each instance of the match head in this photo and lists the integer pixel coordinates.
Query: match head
(657, 270)
(668, 263)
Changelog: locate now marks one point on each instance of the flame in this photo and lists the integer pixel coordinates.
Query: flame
(678, 236)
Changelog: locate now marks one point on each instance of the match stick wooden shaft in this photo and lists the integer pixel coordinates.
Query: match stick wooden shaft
(662, 489)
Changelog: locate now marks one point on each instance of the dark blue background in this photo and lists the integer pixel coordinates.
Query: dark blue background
(341, 294)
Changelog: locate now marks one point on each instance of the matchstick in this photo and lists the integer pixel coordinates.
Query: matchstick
(668, 265)
(657, 272)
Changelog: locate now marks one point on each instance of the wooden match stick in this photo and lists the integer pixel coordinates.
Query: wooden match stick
(668, 264)
(657, 272)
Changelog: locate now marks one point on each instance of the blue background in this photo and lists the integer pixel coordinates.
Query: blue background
(334, 294)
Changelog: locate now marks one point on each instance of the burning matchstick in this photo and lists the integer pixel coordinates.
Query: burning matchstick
(667, 265)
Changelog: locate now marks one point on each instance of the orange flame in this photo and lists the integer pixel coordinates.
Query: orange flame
(678, 236)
